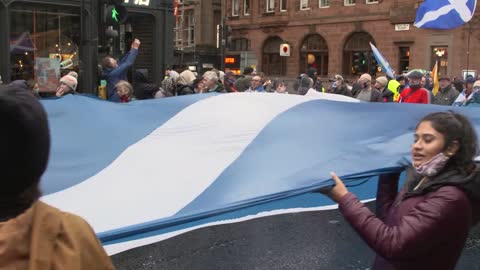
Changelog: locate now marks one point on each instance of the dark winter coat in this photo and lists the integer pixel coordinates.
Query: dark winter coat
(446, 96)
(114, 75)
(417, 229)
(387, 95)
(342, 90)
(142, 88)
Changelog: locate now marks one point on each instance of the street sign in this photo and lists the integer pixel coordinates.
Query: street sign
(284, 49)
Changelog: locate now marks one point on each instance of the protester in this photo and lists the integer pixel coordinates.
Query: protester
(414, 93)
(279, 86)
(124, 91)
(256, 84)
(169, 84)
(185, 83)
(229, 81)
(30, 85)
(446, 94)
(114, 71)
(68, 84)
(366, 92)
(381, 84)
(304, 84)
(339, 86)
(34, 235)
(426, 224)
(142, 88)
(243, 82)
(466, 94)
(210, 79)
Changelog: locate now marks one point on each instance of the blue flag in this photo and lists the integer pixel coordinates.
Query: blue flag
(139, 170)
(444, 14)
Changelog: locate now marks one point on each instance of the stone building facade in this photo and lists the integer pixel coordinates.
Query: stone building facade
(195, 34)
(333, 36)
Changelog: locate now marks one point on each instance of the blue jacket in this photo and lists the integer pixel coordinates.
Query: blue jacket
(114, 75)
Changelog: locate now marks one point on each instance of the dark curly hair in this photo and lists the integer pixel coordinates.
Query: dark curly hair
(456, 127)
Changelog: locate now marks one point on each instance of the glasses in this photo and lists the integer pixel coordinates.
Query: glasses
(255, 80)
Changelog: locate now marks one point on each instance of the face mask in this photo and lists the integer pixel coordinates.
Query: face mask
(334, 85)
(433, 166)
(415, 86)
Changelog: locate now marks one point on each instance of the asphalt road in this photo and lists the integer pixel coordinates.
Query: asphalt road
(308, 240)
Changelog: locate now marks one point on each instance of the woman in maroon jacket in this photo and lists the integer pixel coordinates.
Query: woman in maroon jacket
(426, 224)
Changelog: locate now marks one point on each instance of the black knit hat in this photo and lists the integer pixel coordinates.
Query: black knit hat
(24, 140)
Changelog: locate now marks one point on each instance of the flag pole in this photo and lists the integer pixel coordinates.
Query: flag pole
(468, 46)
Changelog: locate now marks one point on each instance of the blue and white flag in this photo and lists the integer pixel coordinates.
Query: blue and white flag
(444, 14)
(382, 61)
(140, 170)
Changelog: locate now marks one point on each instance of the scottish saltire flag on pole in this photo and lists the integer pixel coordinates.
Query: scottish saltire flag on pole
(436, 86)
(145, 169)
(382, 61)
(444, 14)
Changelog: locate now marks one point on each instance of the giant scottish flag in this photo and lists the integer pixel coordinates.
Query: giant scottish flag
(140, 170)
(444, 14)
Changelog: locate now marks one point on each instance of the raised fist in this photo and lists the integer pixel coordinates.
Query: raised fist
(136, 44)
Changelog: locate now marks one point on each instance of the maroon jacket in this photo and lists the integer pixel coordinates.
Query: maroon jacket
(422, 229)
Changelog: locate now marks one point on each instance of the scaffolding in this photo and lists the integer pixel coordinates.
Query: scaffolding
(184, 30)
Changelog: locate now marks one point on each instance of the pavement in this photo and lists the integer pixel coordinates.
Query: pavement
(306, 240)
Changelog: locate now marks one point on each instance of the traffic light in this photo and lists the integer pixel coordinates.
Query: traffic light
(115, 12)
(227, 35)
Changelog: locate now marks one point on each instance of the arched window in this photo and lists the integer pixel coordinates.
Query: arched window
(314, 53)
(357, 55)
(272, 62)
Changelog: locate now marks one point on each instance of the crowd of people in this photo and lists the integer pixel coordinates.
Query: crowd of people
(425, 225)
(411, 87)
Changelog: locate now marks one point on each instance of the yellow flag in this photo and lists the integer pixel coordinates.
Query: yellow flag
(435, 79)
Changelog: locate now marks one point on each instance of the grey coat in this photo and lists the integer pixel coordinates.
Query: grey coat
(446, 96)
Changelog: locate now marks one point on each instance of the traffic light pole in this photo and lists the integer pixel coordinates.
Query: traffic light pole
(89, 46)
(223, 43)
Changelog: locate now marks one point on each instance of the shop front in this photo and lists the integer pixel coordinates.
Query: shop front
(43, 40)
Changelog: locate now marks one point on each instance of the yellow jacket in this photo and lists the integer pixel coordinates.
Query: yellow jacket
(44, 238)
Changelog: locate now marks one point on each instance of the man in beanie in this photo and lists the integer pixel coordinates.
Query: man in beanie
(114, 71)
(34, 235)
(414, 93)
(446, 94)
(68, 84)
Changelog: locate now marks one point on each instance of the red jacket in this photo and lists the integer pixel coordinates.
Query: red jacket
(421, 95)
(422, 229)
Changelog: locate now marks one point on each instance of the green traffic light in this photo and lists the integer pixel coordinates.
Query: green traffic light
(115, 14)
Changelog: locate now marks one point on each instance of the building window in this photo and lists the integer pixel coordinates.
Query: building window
(272, 63)
(440, 55)
(324, 3)
(372, 1)
(349, 2)
(235, 7)
(190, 31)
(44, 43)
(304, 5)
(246, 7)
(240, 44)
(404, 59)
(314, 53)
(270, 5)
(357, 55)
(283, 5)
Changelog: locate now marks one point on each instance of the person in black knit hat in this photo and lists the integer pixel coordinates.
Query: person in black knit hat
(34, 235)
